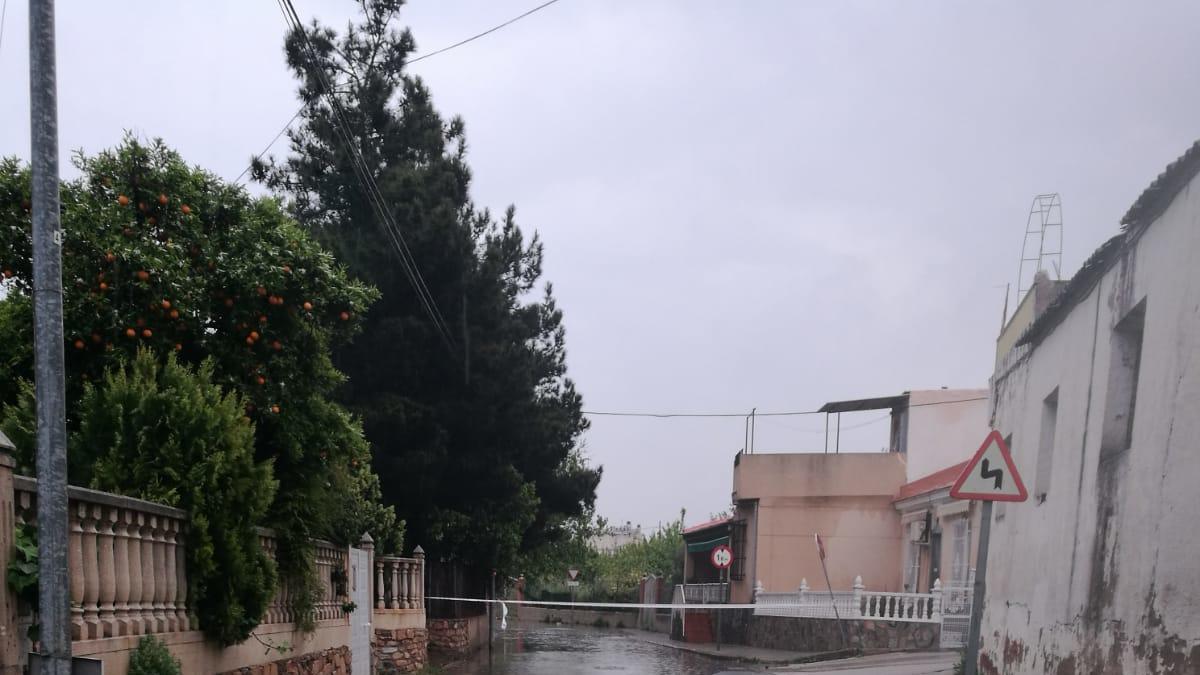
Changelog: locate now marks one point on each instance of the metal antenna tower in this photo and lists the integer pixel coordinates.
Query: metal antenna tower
(1043, 242)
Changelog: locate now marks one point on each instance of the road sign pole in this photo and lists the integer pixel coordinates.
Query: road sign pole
(985, 533)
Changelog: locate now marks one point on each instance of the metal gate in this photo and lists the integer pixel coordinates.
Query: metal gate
(360, 618)
(956, 614)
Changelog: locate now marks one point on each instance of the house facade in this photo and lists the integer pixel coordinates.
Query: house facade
(865, 506)
(1098, 398)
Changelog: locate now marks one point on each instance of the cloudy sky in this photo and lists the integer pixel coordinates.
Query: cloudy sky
(766, 204)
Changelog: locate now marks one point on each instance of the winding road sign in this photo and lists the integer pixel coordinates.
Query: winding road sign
(990, 475)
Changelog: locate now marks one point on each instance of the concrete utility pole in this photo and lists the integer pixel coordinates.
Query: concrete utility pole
(54, 605)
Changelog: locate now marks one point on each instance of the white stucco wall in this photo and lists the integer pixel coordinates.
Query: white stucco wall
(1104, 576)
(941, 435)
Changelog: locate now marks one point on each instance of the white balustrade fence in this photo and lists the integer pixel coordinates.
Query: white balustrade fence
(399, 582)
(858, 603)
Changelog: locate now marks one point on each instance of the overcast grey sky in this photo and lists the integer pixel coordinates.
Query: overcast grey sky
(769, 204)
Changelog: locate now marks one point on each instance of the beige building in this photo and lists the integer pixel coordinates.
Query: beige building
(884, 516)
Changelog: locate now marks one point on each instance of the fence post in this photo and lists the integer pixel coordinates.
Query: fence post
(10, 649)
(935, 603)
(858, 592)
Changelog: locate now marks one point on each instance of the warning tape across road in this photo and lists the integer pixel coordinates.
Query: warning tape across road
(619, 605)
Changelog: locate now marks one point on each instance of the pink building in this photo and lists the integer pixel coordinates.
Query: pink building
(883, 516)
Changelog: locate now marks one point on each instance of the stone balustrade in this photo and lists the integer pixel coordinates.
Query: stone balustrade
(400, 582)
(858, 603)
(327, 558)
(127, 562)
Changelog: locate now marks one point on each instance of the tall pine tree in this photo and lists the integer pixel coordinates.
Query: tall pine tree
(475, 441)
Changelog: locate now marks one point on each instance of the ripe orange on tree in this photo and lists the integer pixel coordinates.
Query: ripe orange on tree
(162, 199)
(78, 344)
(143, 275)
(129, 332)
(123, 200)
(174, 314)
(345, 316)
(166, 304)
(110, 257)
(146, 333)
(308, 306)
(185, 209)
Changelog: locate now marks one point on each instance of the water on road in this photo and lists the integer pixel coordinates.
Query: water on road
(537, 649)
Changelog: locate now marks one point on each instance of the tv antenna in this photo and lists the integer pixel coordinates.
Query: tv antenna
(1042, 249)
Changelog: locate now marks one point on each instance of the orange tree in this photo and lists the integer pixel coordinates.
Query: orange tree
(162, 256)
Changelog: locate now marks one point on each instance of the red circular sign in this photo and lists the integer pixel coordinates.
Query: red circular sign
(722, 557)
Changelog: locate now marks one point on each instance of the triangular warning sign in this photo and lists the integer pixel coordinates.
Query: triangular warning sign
(991, 474)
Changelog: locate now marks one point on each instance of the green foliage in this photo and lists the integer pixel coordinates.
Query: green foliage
(490, 424)
(605, 577)
(22, 573)
(18, 421)
(153, 658)
(160, 255)
(167, 433)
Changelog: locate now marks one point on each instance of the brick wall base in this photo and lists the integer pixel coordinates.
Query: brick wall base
(449, 636)
(335, 661)
(398, 650)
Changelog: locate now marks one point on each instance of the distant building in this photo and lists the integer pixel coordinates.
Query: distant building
(1098, 391)
(884, 516)
(615, 537)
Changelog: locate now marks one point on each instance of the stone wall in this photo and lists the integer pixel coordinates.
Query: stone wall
(817, 635)
(399, 650)
(335, 661)
(449, 636)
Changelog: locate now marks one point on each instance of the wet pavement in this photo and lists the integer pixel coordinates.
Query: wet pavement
(543, 649)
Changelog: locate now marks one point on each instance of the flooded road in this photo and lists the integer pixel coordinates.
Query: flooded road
(543, 649)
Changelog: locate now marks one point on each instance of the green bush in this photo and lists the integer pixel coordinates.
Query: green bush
(168, 434)
(152, 658)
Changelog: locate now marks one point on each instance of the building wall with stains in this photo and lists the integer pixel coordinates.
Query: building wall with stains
(1102, 575)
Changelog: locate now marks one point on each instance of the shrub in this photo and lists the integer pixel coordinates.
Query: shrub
(152, 658)
(167, 433)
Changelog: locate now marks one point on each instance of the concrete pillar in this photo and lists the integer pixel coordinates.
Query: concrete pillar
(91, 570)
(10, 644)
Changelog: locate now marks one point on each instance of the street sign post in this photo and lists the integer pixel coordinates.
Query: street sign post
(990, 476)
(722, 559)
(572, 583)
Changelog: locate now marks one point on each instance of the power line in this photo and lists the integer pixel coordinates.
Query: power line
(606, 413)
(405, 63)
(479, 35)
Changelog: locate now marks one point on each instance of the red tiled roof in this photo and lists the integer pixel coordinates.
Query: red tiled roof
(934, 481)
(704, 526)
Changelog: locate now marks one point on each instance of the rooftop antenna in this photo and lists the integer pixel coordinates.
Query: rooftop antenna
(1043, 242)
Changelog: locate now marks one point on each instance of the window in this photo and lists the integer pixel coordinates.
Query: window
(1121, 399)
(1045, 457)
(960, 542)
(913, 568)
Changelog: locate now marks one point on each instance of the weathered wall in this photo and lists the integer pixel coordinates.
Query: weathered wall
(399, 650)
(1102, 576)
(334, 661)
(819, 635)
(847, 498)
(200, 657)
(943, 435)
(457, 636)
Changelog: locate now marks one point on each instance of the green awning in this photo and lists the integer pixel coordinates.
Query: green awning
(702, 546)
